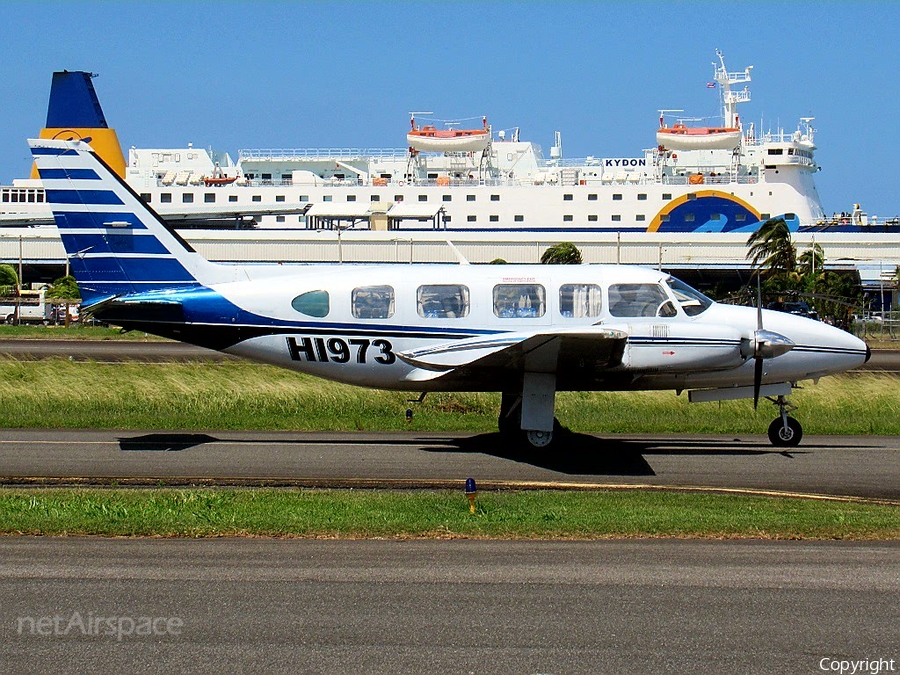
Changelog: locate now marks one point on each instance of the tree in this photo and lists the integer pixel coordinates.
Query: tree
(771, 248)
(812, 261)
(65, 288)
(564, 253)
(9, 280)
(498, 261)
(837, 294)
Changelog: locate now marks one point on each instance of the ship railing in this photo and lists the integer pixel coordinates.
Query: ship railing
(843, 219)
(718, 179)
(771, 137)
(464, 182)
(286, 154)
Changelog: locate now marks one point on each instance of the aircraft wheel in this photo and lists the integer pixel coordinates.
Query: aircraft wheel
(542, 440)
(539, 439)
(782, 437)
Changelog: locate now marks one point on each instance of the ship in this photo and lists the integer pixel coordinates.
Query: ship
(723, 178)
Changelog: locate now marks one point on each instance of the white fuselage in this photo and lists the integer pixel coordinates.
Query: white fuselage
(680, 351)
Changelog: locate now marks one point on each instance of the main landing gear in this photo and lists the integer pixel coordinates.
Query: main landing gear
(511, 426)
(784, 431)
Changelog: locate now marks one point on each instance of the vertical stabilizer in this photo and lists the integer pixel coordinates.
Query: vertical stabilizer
(115, 243)
(74, 113)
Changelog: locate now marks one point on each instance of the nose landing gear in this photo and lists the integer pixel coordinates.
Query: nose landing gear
(784, 431)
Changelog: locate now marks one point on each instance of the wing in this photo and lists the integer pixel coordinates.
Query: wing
(570, 354)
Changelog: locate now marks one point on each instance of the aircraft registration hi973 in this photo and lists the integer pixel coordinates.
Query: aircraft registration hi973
(527, 331)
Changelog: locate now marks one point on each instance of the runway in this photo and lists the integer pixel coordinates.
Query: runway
(289, 606)
(857, 466)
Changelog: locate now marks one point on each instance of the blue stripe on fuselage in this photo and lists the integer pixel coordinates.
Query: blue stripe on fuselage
(204, 306)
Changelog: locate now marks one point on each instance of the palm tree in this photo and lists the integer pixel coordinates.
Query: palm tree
(812, 261)
(771, 248)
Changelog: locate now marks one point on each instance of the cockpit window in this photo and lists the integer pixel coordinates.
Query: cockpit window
(313, 303)
(692, 301)
(638, 300)
(443, 301)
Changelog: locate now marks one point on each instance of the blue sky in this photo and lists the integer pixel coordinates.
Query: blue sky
(236, 75)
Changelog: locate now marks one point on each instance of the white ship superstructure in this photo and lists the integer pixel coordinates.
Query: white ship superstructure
(726, 178)
(709, 179)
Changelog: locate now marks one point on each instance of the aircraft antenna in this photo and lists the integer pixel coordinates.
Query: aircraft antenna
(459, 256)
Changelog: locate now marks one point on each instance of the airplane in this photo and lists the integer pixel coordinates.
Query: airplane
(526, 331)
(74, 111)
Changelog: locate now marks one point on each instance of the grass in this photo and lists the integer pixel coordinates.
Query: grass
(58, 393)
(73, 332)
(442, 514)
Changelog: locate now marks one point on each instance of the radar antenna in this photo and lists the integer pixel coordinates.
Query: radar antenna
(730, 98)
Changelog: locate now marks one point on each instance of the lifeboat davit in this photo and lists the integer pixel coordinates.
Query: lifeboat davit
(682, 137)
(430, 139)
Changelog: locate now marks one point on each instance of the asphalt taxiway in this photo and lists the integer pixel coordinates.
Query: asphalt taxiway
(242, 605)
(857, 466)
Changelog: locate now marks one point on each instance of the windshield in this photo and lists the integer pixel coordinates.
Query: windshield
(639, 300)
(692, 301)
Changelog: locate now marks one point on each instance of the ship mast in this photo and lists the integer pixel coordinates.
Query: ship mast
(730, 98)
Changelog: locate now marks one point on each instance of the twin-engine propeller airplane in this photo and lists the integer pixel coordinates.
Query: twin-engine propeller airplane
(527, 331)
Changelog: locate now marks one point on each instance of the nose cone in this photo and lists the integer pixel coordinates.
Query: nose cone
(819, 349)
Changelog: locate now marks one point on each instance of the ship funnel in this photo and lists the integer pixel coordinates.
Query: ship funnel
(74, 113)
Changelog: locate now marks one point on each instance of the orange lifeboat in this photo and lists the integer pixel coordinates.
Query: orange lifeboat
(215, 181)
(431, 139)
(682, 137)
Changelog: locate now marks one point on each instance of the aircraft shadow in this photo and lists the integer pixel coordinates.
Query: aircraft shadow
(576, 454)
(163, 442)
(583, 454)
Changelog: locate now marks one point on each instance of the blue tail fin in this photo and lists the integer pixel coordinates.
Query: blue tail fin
(115, 243)
(73, 102)
(74, 112)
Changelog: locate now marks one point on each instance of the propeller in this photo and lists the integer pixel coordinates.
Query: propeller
(766, 345)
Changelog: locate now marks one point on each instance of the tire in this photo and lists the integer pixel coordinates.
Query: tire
(785, 438)
(539, 440)
(10, 319)
(542, 441)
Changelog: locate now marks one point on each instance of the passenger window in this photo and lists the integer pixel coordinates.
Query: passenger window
(637, 300)
(519, 301)
(372, 302)
(443, 301)
(312, 303)
(580, 300)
